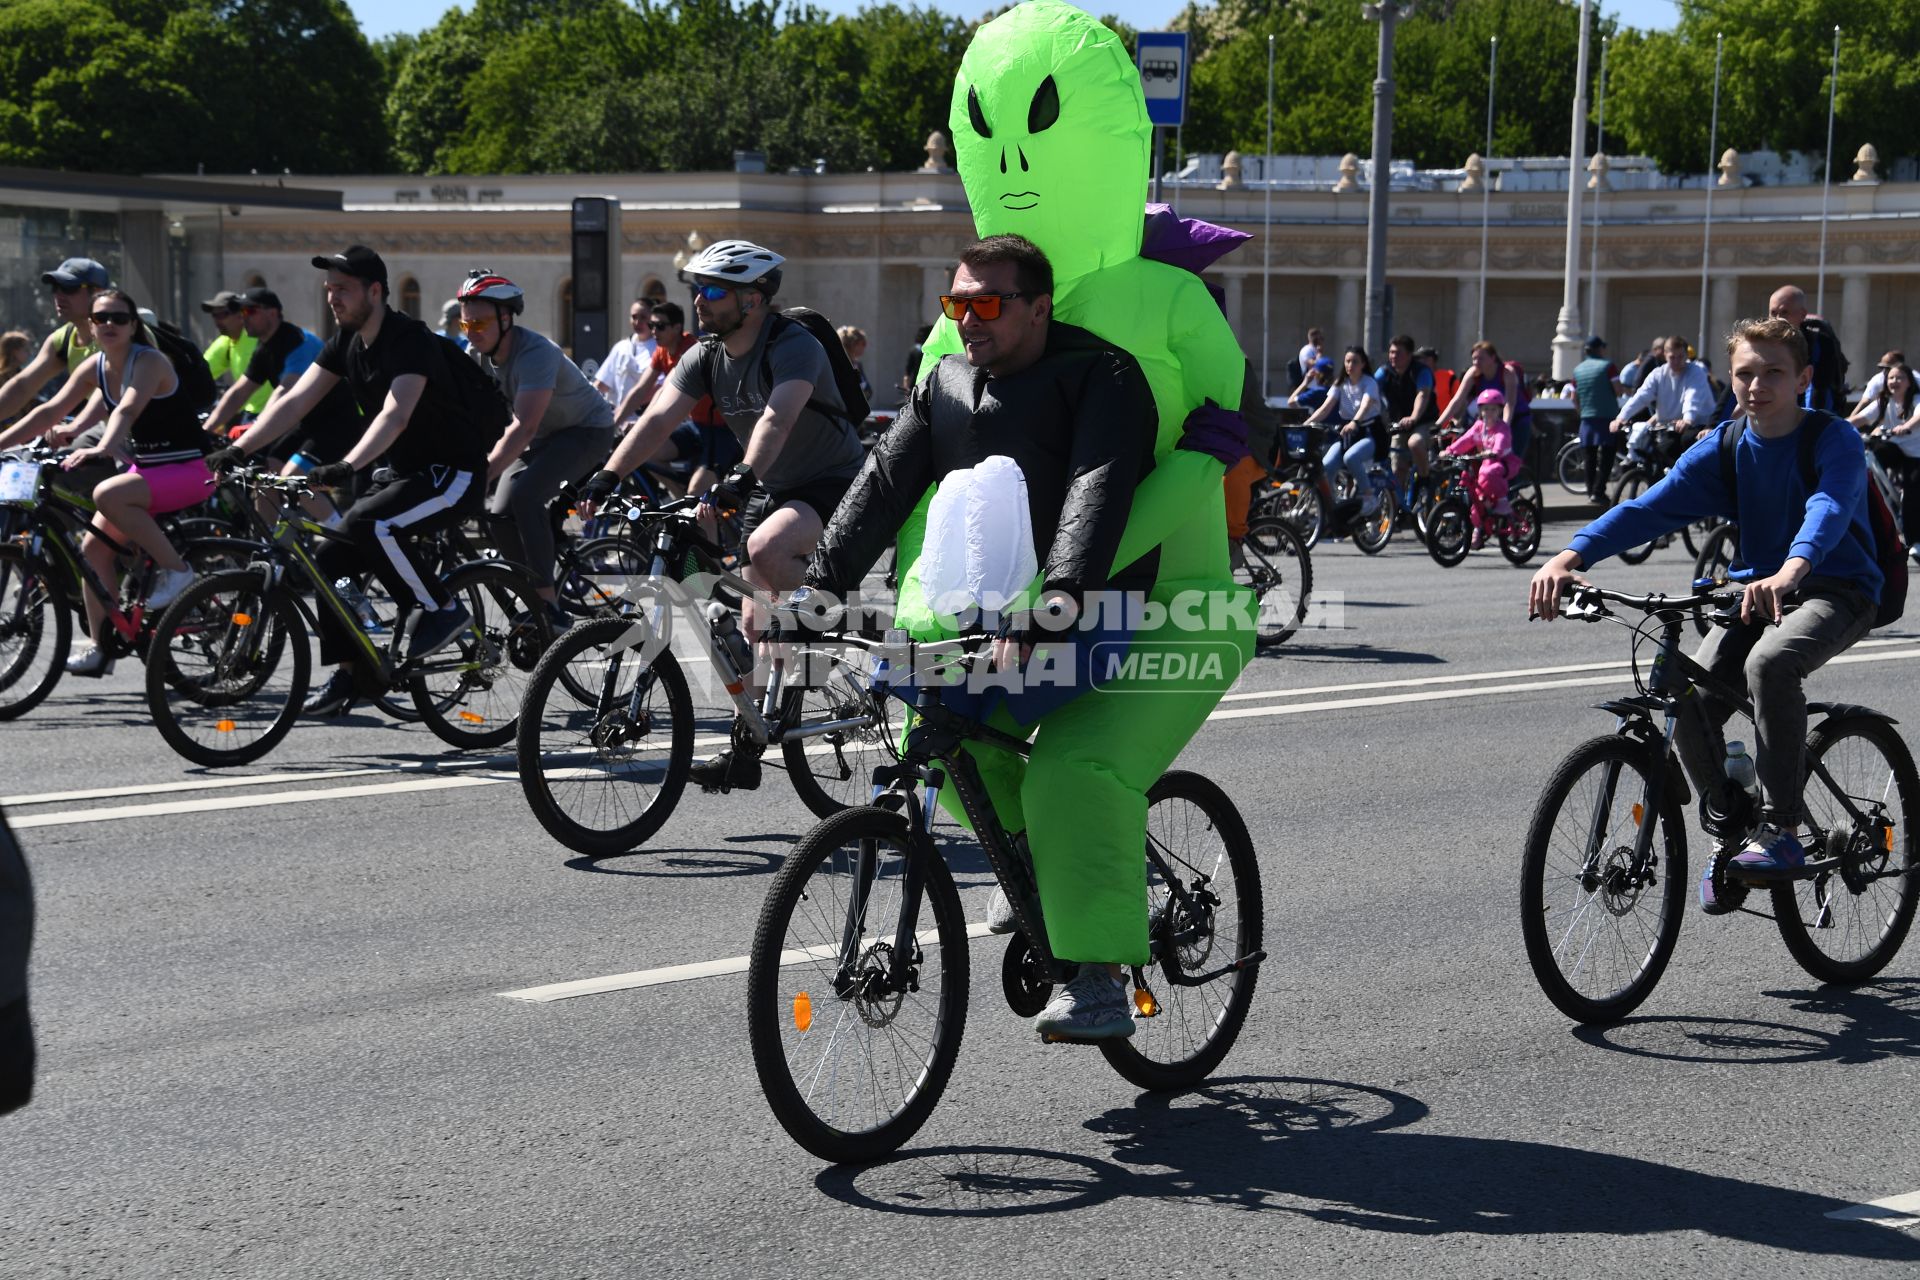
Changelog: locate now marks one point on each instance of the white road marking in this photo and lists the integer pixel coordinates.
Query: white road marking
(680, 973)
(1460, 686)
(1894, 1211)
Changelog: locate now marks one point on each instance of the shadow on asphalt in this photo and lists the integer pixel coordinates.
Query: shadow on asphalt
(1878, 1021)
(1353, 653)
(1337, 1153)
(687, 864)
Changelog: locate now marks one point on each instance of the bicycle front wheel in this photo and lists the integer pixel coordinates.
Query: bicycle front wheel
(1599, 925)
(1844, 926)
(1631, 486)
(834, 770)
(1572, 468)
(602, 775)
(857, 987)
(1277, 568)
(470, 693)
(1449, 532)
(227, 669)
(1372, 533)
(1205, 915)
(35, 631)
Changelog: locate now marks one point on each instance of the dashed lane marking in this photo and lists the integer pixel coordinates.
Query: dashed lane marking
(1894, 1211)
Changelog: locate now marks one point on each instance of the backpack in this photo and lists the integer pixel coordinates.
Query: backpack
(189, 366)
(1888, 551)
(846, 379)
(475, 393)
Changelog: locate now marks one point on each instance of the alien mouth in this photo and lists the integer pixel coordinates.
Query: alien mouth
(1007, 199)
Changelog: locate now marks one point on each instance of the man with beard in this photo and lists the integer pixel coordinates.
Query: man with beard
(397, 373)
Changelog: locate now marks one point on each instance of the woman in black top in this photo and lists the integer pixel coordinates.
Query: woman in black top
(131, 384)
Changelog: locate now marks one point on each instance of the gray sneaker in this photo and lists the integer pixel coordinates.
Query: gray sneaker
(1000, 913)
(1091, 1007)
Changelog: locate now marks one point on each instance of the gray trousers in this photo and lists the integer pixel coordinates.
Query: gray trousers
(1772, 664)
(517, 511)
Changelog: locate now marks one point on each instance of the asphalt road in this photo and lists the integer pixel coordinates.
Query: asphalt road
(275, 1044)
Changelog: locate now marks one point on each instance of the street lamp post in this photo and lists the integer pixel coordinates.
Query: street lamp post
(1387, 14)
(1567, 339)
(695, 243)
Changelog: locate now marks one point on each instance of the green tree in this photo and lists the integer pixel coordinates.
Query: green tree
(1774, 81)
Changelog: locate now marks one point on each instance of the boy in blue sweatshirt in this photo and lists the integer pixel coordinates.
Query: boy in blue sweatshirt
(1815, 546)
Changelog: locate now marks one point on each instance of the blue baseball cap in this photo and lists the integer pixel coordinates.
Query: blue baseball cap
(75, 272)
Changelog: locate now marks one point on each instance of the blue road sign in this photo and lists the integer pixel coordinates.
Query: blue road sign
(1163, 75)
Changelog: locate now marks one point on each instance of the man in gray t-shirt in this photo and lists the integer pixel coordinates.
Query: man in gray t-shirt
(561, 430)
(799, 460)
(820, 446)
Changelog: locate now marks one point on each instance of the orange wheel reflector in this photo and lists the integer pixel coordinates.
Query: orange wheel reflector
(1887, 839)
(226, 726)
(803, 1011)
(471, 718)
(1143, 1001)
(242, 619)
(1639, 812)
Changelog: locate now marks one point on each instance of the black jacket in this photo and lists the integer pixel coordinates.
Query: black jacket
(1080, 422)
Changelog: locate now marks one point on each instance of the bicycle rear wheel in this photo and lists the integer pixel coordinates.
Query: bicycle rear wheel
(1631, 486)
(227, 669)
(834, 771)
(35, 632)
(1572, 468)
(602, 776)
(1522, 536)
(470, 693)
(1278, 569)
(1295, 499)
(1372, 533)
(852, 1042)
(1205, 914)
(1599, 930)
(1845, 926)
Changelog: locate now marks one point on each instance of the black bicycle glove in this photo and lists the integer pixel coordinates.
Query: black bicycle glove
(731, 493)
(330, 475)
(599, 487)
(226, 459)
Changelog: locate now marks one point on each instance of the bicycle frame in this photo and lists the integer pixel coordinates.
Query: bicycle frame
(55, 524)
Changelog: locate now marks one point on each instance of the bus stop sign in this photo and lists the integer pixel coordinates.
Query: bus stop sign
(1163, 76)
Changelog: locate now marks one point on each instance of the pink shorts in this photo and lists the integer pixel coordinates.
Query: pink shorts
(175, 486)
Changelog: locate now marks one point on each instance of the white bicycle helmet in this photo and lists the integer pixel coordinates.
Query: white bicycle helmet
(495, 288)
(736, 262)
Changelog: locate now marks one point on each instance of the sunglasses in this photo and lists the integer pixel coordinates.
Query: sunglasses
(66, 290)
(112, 317)
(660, 324)
(477, 326)
(712, 292)
(985, 305)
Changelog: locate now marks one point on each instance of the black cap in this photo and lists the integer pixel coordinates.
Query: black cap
(1595, 344)
(77, 271)
(1426, 353)
(225, 300)
(261, 296)
(357, 261)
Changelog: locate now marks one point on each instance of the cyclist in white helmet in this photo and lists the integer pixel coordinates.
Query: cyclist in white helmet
(771, 381)
(561, 430)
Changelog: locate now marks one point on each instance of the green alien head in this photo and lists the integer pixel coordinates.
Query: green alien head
(1051, 136)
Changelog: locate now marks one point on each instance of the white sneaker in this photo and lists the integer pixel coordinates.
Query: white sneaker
(91, 662)
(167, 586)
(1000, 913)
(1091, 1007)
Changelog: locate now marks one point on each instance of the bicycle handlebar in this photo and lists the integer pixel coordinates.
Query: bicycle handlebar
(1588, 603)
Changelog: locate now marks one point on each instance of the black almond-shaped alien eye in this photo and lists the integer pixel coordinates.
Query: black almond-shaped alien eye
(1046, 107)
(975, 115)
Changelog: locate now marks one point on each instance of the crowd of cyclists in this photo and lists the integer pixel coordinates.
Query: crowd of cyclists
(390, 433)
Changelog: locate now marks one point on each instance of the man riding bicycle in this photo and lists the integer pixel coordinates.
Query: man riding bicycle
(396, 371)
(1681, 396)
(772, 381)
(561, 430)
(1075, 418)
(1810, 541)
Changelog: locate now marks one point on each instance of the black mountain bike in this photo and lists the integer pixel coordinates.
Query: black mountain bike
(1603, 882)
(857, 983)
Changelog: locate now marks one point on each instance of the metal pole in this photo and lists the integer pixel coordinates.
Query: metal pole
(1179, 163)
(1486, 188)
(1159, 154)
(1713, 158)
(1599, 189)
(1375, 338)
(1567, 337)
(1826, 185)
(1266, 237)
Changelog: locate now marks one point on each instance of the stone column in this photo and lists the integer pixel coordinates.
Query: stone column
(1597, 319)
(934, 281)
(1856, 302)
(1236, 286)
(1466, 321)
(1346, 315)
(1723, 300)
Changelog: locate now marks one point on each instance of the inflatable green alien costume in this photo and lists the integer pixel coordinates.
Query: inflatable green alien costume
(1052, 141)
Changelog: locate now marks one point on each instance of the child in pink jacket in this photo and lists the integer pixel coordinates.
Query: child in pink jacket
(1491, 439)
